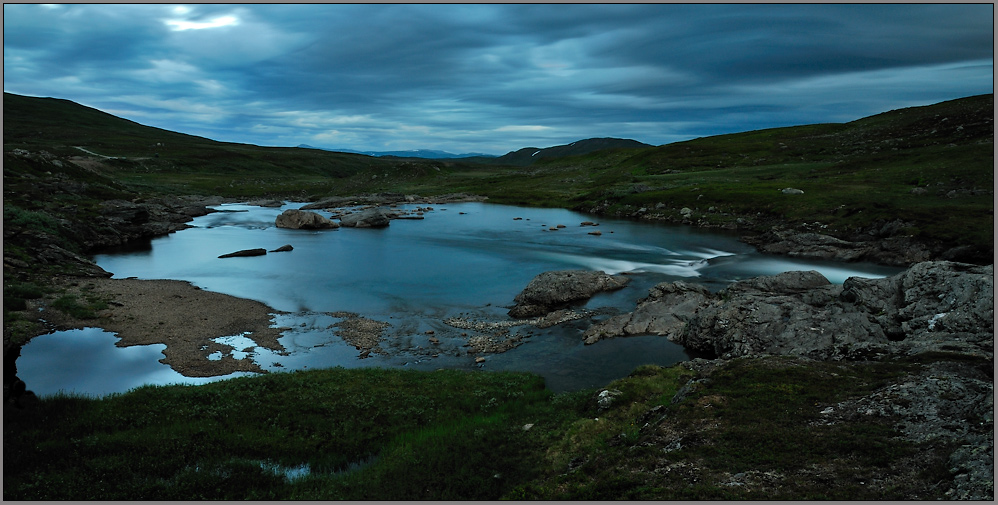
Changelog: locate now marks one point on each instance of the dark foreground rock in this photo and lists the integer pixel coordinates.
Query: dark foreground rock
(304, 220)
(122, 221)
(937, 306)
(245, 252)
(553, 290)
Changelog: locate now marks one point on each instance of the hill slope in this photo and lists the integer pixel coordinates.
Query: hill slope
(922, 173)
(530, 155)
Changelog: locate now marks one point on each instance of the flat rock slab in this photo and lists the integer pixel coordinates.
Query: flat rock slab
(549, 291)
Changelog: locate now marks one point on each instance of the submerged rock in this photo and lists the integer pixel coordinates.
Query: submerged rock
(304, 220)
(549, 291)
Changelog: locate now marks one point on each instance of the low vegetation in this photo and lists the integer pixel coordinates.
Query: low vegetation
(748, 430)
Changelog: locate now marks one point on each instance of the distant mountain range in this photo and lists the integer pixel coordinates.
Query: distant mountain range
(524, 156)
(414, 153)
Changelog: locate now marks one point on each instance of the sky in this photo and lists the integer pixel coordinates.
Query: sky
(494, 78)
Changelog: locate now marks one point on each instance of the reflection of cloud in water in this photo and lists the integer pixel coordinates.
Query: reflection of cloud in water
(242, 347)
(87, 361)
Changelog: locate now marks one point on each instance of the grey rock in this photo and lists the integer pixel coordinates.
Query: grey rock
(304, 220)
(368, 218)
(794, 313)
(792, 191)
(893, 250)
(606, 398)
(664, 312)
(948, 402)
(245, 252)
(284, 248)
(936, 306)
(549, 291)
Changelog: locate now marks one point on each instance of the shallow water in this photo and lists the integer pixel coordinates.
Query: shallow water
(467, 259)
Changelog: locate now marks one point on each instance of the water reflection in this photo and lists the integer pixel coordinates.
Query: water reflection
(462, 258)
(87, 362)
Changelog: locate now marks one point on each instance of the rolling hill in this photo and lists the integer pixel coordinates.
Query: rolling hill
(921, 172)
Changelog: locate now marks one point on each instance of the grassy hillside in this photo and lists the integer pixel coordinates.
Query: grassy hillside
(155, 160)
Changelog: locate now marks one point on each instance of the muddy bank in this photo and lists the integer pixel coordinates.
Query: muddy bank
(184, 317)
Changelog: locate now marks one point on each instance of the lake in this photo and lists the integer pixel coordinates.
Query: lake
(462, 260)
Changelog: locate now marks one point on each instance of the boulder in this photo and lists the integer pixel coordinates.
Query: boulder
(304, 220)
(284, 248)
(549, 291)
(791, 191)
(368, 218)
(245, 252)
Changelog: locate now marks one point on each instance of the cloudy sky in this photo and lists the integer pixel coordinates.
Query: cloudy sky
(494, 77)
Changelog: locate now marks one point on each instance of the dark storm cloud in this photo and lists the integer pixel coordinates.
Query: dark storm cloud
(494, 77)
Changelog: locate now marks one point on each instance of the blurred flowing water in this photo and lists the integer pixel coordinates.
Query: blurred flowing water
(463, 259)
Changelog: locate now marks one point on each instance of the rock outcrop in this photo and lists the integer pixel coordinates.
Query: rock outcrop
(304, 220)
(936, 306)
(549, 291)
(374, 217)
(889, 249)
(664, 312)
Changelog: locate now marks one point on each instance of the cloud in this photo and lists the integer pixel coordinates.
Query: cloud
(494, 77)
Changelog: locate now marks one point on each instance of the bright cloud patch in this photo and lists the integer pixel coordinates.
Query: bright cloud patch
(181, 25)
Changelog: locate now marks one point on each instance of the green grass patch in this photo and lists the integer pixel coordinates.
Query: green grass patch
(80, 309)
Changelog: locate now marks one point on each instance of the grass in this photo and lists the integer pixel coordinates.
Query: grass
(206, 442)
(391, 434)
(753, 417)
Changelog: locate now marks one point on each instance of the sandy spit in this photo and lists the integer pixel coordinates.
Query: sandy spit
(182, 316)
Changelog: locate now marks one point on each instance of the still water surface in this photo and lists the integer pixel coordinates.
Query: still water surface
(467, 259)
